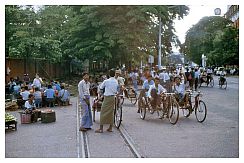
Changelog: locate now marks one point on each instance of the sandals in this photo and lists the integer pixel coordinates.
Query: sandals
(99, 131)
(109, 130)
(82, 129)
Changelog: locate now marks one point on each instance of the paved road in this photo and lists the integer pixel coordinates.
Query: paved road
(218, 136)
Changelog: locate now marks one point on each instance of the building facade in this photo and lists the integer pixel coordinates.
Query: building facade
(233, 14)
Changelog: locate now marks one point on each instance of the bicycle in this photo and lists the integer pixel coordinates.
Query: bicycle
(130, 93)
(199, 106)
(168, 106)
(117, 111)
(204, 79)
(222, 82)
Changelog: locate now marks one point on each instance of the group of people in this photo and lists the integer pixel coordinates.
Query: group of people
(109, 88)
(31, 95)
(115, 84)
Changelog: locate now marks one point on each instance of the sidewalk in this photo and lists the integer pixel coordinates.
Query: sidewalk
(45, 140)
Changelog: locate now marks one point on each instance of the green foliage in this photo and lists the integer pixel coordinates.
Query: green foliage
(212, 36)
(116, 34)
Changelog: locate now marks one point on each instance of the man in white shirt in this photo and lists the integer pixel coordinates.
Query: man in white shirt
(63, 96)
(179, 89)
(30, 104)
(165, 79)
(37, 82)
(154, 93)
(107, 111)
(84, 96)
(121, 80)
(134, 77)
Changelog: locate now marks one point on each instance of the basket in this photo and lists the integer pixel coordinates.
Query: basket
(48, 117)
(25, 118)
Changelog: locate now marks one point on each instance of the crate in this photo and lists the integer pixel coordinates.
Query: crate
(48, 117)
(25, 118)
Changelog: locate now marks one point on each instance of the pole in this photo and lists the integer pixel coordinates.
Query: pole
(159, 43)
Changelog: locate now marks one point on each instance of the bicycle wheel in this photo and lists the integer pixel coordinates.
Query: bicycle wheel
(173, 112)
(220, 84)
(211, 82)
(201, 111)
(122, 99)
(118, 116)
(142, 107)
(224, 85)
(186, 112)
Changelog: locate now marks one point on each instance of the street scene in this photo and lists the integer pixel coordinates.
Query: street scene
(123, 81)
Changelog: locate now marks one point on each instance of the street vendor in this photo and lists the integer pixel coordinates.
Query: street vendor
(30, 104)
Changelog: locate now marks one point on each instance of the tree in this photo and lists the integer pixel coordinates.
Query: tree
(199, 38)
(226, 48)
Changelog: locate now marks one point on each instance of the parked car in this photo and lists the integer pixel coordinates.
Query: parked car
(219, 71)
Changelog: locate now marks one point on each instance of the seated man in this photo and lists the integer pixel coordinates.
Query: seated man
(155, 91)
(38, 97)
(25, 94)
(181, 95)
(30, 103)
(49, 93)
(30, 106)
(63, 96)
(145, 88)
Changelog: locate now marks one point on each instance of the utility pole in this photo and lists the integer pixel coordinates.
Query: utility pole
(159, 42)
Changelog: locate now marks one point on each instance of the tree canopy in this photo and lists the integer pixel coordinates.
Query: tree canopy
(116, 34)
(214, 37)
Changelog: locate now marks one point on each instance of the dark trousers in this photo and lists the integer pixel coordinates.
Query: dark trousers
(196, 83)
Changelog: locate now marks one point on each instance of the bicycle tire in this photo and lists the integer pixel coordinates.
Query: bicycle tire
(211, 82)
(186, 112)
(224, 85)
(118, 116)
(201, 107)
(173, 112)
(142, 108)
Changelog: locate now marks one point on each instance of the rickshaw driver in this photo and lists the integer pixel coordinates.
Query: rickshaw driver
(222, 78)
(155, 92)
(145, 88)
(180, 93)
(203, 77)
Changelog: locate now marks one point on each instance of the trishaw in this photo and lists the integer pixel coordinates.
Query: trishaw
(195, 104)
(222, 82)
(203, 79)
(166, 105)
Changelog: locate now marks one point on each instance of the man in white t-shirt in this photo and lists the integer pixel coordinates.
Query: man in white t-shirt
(37, 82)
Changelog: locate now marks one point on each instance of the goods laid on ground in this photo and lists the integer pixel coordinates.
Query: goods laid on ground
(10, 121)
(48, 116)
(11, 105)
(25, 118)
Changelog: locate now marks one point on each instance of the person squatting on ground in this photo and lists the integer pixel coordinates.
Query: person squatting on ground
(84, 96)
(107, 109)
